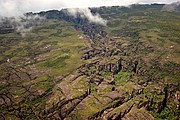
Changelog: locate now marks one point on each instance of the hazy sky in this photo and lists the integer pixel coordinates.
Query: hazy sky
(18, 7)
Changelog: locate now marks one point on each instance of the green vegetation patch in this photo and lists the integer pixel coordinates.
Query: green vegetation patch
(166, 114)
(57, 63)
(122, 77)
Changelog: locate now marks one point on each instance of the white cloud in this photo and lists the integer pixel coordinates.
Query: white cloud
(18, 7)
(85, 12)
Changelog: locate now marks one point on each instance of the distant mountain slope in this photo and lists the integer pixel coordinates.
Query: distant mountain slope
(174, 7)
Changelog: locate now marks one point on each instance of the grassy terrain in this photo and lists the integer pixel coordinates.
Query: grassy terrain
(51, 50)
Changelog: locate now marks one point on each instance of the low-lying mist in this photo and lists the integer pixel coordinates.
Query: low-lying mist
(21, 24)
